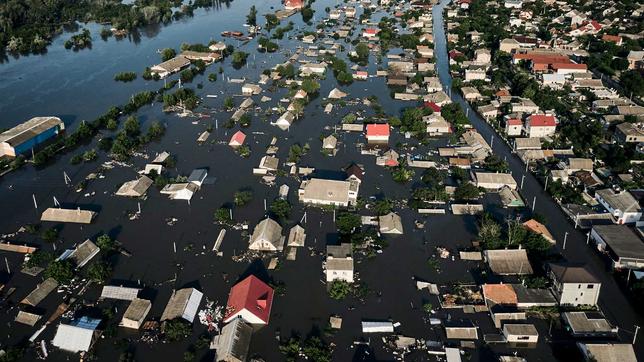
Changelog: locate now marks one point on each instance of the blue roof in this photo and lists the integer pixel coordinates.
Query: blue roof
(86, 323)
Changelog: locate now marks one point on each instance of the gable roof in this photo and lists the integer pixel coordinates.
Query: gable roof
(250, 294)
(375, 129)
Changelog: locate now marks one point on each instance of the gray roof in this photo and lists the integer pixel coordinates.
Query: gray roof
(390, 224)
(520, 329)
(296, 236)
(508, 262)
(343, 250)
(527, 143)
(327, 190)
(569, 273)
(135, 188)
(268, 230)
(68, 215)
(464, 329)
(42, 290)
(27, 318)
(623, 201)
(588, 322)
(183, 303)
(234, 341)
(622, 240)
(198, 175)
(533, 295)
(138, 309)
(609, 352)
(83, 253)
(30, 129)
(120, 293)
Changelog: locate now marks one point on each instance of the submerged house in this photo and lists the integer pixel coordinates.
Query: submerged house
(77, 336)
(390, 224)
(233, 342)
(328, 192)
(77, 216)
(170, 66)
(339, 263)
(82, 254)
(267, 236)
(135, 313)
(183, 304)
(251, 300)
(24, 137)
(135, 188)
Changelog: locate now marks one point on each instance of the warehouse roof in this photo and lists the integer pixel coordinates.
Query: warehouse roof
(28, 130)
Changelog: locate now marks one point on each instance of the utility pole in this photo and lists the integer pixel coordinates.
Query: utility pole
(522, 178)
(534, 202)
(565, 239)
(637, 329)
(545, 187)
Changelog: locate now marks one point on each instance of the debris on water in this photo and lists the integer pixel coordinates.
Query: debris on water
(443, 253)
(211, 316)
(171, 221)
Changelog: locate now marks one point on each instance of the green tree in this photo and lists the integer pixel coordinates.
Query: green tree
(99, 272)
(156, 130)
(489, 230)
(106, 243)
(382, 207)
(347, 222)
(222, 216)
(61, 270)
(242, 198)
(281, 208)
(310, 86)
(132, 126)
(466, 191)
(633, 82)
(229, 103)
(168, 53)
(251, 18)
(239, 58)
(50, 235)
(177, 330)
(339, 289)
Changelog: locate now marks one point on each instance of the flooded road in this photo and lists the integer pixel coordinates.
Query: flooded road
(612, 299)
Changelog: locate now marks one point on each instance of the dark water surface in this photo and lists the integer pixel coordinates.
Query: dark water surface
(79, 86)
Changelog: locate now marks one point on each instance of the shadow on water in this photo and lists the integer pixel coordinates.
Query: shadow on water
(257, 269)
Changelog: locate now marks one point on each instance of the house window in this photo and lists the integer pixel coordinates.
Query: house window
(590, 286)
(523, 338)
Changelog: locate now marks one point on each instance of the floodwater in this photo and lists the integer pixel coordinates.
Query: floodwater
(79, 86)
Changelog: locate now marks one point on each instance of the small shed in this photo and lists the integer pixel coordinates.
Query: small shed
(463, 329)
(520, 333)
(390, 224)
(296, 236)
(135, 313)
(119, 293)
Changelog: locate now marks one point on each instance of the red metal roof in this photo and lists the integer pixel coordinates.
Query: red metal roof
(378, 129)
(253, 295)
(371, 31)
(435, 107)
(556, 66)
(542, 120)
(238, 138)
(514, 122)
(294, 3)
